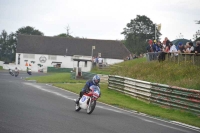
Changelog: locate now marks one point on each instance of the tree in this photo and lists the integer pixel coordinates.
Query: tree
(8, 46)
(137, 32)
(28, 30)
(65, 34)
(197, 34)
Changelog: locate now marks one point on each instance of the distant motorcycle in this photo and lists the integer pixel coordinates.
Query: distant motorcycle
(11, 72)
(29, 72)
(88, 100)
(16, 73)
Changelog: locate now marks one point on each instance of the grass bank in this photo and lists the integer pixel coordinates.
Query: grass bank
(183, 75)
(126, 102)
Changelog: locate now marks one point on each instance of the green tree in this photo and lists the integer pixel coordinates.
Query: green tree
(197, 34)
(137, 32)
(66, 34)
(28, 30)
(7, 46)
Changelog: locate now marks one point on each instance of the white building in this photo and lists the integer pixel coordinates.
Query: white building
(40, 52)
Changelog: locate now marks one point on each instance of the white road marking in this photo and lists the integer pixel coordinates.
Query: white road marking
(142, 114)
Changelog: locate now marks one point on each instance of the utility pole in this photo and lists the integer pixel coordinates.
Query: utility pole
(155, 31)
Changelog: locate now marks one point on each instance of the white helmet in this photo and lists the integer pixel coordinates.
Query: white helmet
(96, 79)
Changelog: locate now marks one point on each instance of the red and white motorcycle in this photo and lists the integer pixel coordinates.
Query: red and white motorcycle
(88, 100)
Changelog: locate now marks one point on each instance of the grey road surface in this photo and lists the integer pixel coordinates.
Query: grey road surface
(28, 107)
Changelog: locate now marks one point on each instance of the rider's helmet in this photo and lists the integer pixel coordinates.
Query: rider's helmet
(96, 79)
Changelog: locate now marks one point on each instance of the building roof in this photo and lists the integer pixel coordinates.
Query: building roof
(34, 44)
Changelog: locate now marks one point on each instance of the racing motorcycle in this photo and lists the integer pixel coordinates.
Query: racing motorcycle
(16, 73)
(29, 72)
(11, 72)
(88, 100)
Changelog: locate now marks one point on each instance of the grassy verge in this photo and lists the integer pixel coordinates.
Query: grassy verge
(1, 68)
(55, 78)
(183, 75)
(126, 102)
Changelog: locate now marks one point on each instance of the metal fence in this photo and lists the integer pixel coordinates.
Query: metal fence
(160, 94)
(136, 88)
(176, 57)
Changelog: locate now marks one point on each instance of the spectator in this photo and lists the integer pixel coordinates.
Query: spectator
(159, 47)
(130, 56)
(180, 47)
(173, 49)
(197, 48)
(100, 61)
(164, 45)
(94, 61)
(167, 41)
(150, 47)
(97, 59)
(150, 50)
(191, 48)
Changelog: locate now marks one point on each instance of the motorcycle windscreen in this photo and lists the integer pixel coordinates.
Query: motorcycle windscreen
(96, 90)
(83, 102)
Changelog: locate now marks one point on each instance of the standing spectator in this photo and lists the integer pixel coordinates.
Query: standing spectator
(100, 61)
(197, 48)
(167, 41)
(97, 60)
(94, 61)
(150, 50)
(130, 56)
(164, 45)
(173, 49)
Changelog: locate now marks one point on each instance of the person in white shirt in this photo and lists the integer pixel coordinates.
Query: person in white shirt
(173, 49)
(100, 60)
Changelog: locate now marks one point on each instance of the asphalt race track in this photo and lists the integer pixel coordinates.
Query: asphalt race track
(29, 107)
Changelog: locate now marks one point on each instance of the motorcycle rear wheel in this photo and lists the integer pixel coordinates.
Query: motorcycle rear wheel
(91, 107)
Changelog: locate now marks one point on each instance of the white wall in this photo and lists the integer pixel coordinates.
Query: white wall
(67, 62)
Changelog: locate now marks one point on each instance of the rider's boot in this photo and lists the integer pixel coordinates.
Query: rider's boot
(77, 100)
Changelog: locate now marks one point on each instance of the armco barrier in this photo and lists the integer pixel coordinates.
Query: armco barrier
(136, 88)
(176, 97)
(160, 94)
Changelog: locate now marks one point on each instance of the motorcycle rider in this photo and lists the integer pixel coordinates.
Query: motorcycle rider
(16, 71)
(94, 81)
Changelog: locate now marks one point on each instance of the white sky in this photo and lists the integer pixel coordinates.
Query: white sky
(99, 19)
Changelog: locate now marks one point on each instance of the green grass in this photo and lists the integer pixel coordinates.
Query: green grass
(126, 102)
(56, 78)
(183, 75)
(1, 68)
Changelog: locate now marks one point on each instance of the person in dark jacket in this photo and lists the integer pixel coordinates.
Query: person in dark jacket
(94, 81)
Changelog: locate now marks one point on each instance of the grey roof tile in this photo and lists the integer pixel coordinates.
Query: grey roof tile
(35, 44)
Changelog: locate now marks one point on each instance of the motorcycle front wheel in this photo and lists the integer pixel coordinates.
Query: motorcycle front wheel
(91, 107)
(77, 107)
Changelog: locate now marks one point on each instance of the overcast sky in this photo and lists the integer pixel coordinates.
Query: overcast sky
(99, 19)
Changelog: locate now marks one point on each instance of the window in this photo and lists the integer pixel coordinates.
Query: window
(29, 56)
(52, 57)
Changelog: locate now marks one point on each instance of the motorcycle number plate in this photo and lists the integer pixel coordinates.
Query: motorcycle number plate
(83, 98)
